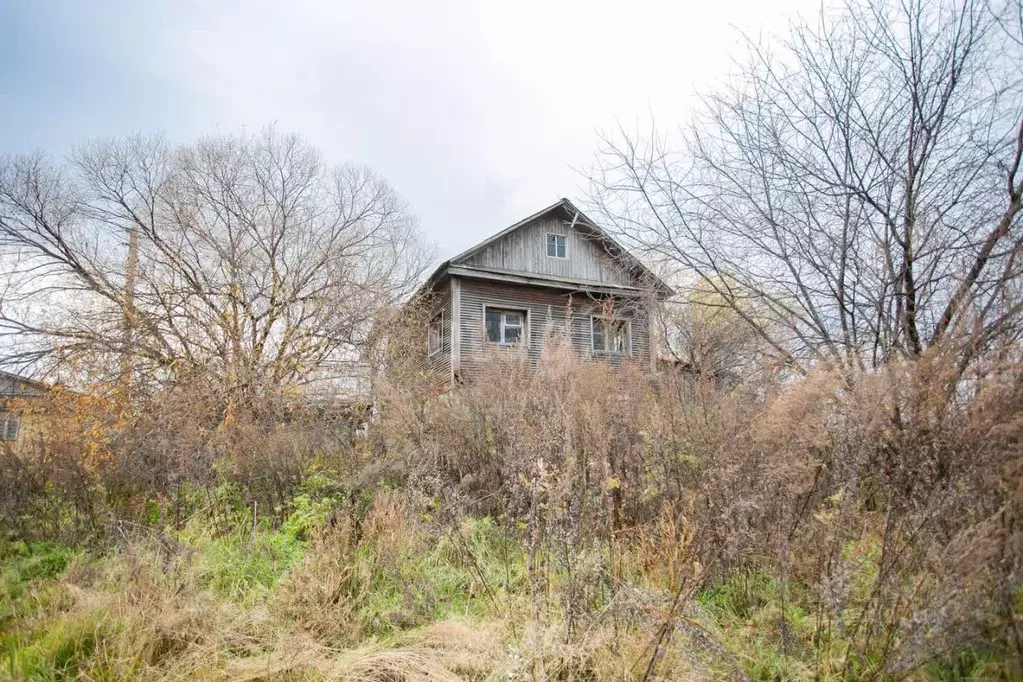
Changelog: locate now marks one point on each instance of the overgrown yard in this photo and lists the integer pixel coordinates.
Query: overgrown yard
(787, 445)
(544, 523)
(377, 590)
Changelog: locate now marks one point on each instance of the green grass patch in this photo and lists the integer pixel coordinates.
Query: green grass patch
(465, 572)
(970, 665)
(771, 635)
(28, 588)
(246, 564)
(68, 649)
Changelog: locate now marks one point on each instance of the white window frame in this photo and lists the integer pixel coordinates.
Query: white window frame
(439, 318)
(628, 336)
(546, 246)
(507, 309)
(6, 419)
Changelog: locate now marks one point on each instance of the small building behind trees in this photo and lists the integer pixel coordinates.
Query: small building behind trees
(17, 395)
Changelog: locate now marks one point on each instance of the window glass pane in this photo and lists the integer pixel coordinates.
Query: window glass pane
(8, 426)
(556, 245)
(610, 336)
(494, 326)
(621, 338)
(435, 334)
(598, 333)
(505, 326)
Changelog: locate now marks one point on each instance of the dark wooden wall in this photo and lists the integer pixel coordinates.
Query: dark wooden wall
(438, 303)
(550, 312)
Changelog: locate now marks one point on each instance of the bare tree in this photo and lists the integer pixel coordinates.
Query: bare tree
(854, 193)
(705, 339)
(246, 260)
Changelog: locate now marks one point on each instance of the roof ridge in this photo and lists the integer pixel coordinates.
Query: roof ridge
(613, 247)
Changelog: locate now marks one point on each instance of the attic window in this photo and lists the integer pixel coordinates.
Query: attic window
(556, 247)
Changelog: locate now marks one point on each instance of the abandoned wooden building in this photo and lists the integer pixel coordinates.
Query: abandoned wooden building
(16, 394)
(553, 273)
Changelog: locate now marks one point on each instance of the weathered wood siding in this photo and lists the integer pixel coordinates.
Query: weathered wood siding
(439, 364)
(22, 397)
(32, 426)
(525, 251)
(549, 312)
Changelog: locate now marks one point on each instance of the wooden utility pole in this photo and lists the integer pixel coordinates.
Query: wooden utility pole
(131, 264)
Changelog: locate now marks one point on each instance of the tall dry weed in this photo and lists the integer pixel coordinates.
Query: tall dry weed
(888, 492)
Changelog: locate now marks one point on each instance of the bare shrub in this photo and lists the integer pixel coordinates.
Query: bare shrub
(871, 491)
(98, 457)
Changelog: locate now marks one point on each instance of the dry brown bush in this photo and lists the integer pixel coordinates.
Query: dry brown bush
(324, 592)
(886, 501)
(903, 476)
(99, 456)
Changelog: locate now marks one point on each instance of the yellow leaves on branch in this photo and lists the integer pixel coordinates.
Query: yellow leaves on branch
(79, 423)
(612, 483)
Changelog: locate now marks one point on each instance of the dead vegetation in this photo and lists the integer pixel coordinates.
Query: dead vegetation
(557, 521)
(825, 482)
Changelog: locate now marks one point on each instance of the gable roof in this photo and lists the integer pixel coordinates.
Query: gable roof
(16, 386)
(580, 222)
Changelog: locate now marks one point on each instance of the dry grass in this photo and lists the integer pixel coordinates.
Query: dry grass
(569, 522)
(133, 616)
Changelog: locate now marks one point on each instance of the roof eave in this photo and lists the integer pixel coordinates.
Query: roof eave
(536, 280)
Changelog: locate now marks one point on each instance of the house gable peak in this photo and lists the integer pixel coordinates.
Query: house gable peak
(561, 244)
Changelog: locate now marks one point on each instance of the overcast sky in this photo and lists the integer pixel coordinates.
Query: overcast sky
(476, 111)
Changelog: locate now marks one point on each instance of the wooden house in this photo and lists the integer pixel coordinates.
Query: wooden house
(17, 393)
(555, 273)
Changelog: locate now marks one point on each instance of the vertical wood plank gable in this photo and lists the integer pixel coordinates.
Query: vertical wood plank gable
(525, 250)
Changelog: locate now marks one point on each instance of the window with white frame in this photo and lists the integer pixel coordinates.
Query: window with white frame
(435, 335)
(556, 246)
(505, 325)
(9, 424)
(611, 336)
